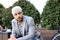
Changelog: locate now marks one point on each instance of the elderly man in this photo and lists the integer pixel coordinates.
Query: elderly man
(22, 26)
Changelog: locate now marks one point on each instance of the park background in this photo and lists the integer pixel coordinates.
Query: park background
(49, 17)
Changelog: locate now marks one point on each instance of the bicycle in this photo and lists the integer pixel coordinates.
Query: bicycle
(56, 36)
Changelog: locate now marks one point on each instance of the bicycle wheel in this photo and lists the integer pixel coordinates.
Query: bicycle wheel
(56, 37)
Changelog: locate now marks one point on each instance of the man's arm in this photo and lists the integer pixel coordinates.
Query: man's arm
(13, 29)
(12, 36)
(31, 31)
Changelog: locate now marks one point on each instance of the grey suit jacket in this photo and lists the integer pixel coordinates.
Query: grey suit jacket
(28, 24)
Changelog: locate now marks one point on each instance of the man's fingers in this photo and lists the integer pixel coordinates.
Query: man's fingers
(9, 39)
(12, 38)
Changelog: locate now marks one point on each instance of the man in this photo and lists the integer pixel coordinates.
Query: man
(22, 26)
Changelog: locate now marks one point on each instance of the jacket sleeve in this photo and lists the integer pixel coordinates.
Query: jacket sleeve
(31, 31)
(13, 29)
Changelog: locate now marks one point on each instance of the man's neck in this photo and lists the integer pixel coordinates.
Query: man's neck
(20, 22)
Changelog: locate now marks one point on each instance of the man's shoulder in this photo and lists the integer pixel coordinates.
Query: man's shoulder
(13, 20)
(27, 17)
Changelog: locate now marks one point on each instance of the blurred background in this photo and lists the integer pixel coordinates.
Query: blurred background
(46, 13)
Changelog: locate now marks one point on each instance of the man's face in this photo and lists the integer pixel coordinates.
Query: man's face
(18, 16)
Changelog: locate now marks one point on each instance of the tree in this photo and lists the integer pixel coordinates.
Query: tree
(1, 10)
(7, 17)
(51, 14)
(28, 9)
(1, 13)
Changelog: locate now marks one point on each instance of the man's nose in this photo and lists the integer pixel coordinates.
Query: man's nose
(18, 15)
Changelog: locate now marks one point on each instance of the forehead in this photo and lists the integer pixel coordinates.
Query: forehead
(17, 13)
(16, 9)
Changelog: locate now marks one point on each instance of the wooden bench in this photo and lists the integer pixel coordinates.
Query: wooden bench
(3, 36)
(48, 34)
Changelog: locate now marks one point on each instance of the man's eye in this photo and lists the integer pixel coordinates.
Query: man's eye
(19, 13)
(15, 14)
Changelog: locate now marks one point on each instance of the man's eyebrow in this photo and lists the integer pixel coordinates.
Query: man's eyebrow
(20, 12)
(15, 14)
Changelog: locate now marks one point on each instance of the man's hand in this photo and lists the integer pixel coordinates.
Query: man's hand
(12, 38)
